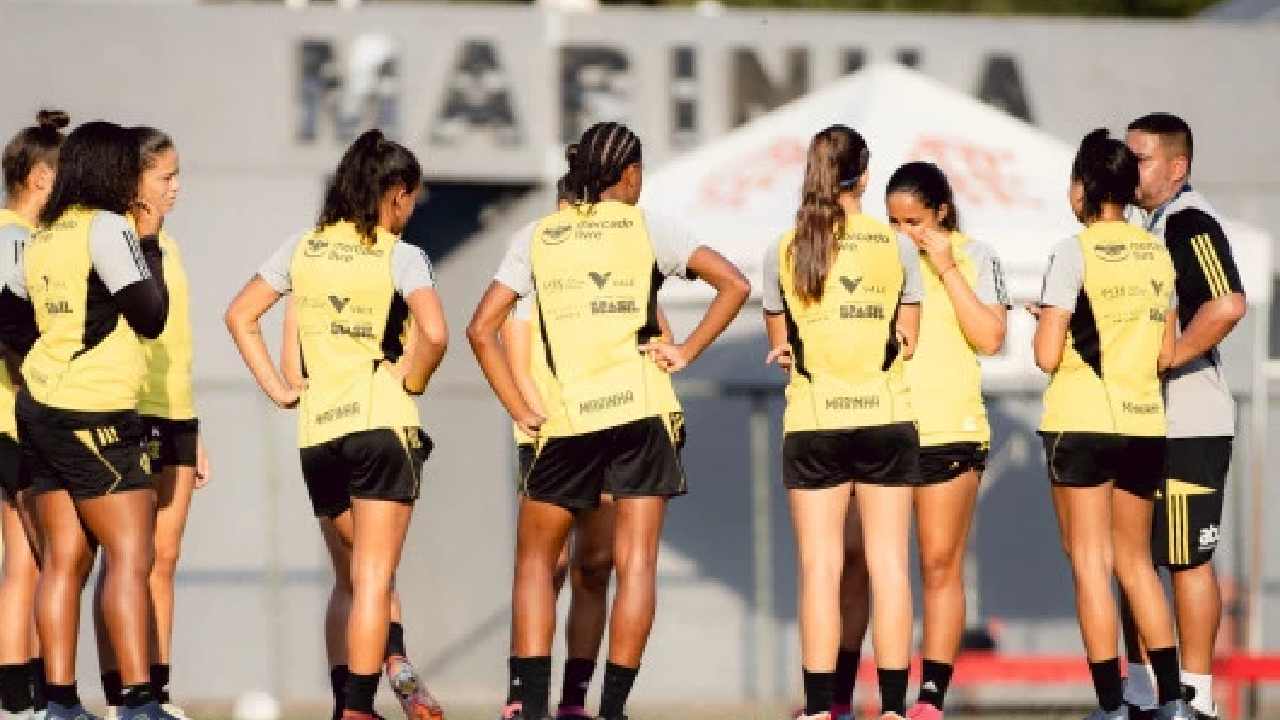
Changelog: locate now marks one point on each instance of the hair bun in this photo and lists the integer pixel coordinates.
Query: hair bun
(53, 120)
(1096, 137)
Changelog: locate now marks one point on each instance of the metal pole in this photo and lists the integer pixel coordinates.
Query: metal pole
(767, 666)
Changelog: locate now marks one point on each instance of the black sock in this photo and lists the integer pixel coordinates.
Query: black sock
(15, 688)
(64, 695)
(338, 684)
(1164, 662)
(39, 694)
(577, 678)
(513, 687)
(818, 690)
(615, 690)
(160, 682)
(532, 684)
(846, 675)
(395, 641)
(113, 688)
(135, 696)
(893, 690)
(1107, 683)
(360, 691)
(934, 678)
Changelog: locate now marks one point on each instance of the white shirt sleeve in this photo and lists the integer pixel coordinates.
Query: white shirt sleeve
(115, 252)
(771, 293)
(912, 282)
(410, 269)
(276, 270)
(523, 310)
(673, 244)
(516, 270)
(1064, 277)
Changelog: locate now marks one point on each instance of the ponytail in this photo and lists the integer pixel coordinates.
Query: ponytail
(837, 160)
(370, 168)
(38, 143)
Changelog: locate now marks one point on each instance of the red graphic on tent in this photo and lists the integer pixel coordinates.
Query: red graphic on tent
(732, 186)
(979, 175)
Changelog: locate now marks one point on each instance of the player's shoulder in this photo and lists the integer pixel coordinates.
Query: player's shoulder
(1190, 222)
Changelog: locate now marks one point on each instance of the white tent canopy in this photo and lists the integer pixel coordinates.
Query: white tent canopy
(740, 192)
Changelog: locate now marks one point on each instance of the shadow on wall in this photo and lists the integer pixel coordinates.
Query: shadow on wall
(1021, 572)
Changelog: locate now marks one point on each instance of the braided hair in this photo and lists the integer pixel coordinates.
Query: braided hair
(597, 160)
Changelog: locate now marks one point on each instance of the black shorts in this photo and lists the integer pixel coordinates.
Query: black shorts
(940, 463)
(378, 464)
(879, 455)
(88, 454)
(171, 443)
(1089, 459)
(636, 459)
(525, 453)
(1188, 515)
(13, 476)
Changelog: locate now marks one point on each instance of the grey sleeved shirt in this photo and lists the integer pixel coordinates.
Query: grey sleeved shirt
(410, 268)
(1064, 276)
(115, 252)
(912, 284)
(989, 285)
(13, 237)
(673, 245)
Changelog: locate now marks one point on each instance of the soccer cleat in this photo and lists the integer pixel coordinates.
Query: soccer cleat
(112, 713)
(924, 711)
(1174, 710)
(73, 712)
(572, 712)
(418, 702)
(27, 714)
(150, 711)
(1119, 713)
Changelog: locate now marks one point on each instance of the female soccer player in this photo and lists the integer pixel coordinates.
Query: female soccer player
(841, 301)
(963, 315)
(1105, 331)
(176, 455)
(84, 272)
(362, 445)
(613, 419)
(410, 690)
(30, 161)
(587, 559)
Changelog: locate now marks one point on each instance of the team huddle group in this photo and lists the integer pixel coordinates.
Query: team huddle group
(878, 328)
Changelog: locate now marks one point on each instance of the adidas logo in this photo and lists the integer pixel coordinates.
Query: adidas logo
(850, 285)
(599, 278)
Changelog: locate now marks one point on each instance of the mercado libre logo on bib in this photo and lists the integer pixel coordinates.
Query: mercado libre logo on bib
(1113, 252)
(555, 235)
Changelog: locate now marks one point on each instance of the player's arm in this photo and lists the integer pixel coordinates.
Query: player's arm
(482, 332)
(731, 289)
(428, 333)
(291, 348)
(132, 271)
(431, 338)
(517, 342)
(1063, 281)
(243, 320)
(1207, 278)
(907, 327)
